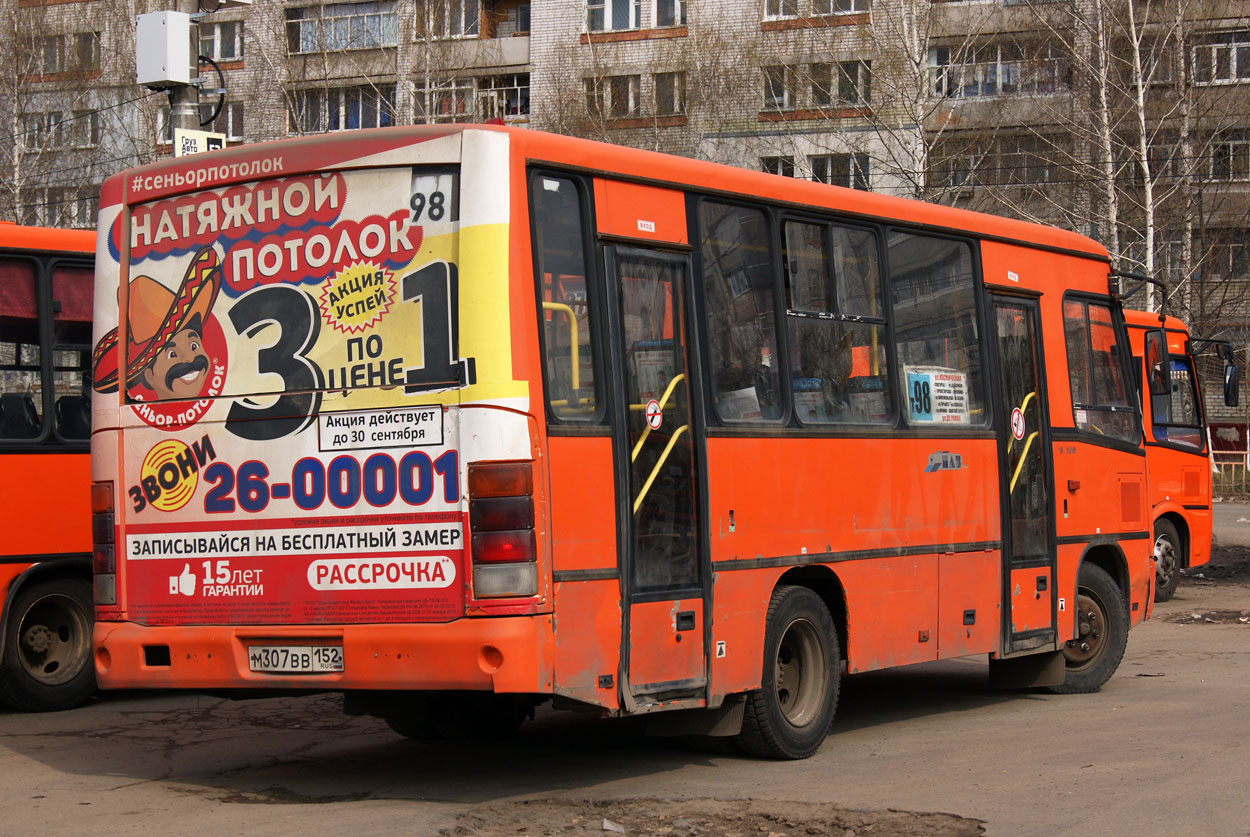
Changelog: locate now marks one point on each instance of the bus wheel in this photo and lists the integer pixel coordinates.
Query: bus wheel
(789, 715)
(1101, 633)
(1167, 560)
(47, 647)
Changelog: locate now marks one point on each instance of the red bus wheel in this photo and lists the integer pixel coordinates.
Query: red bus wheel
(789, 715)
(47, 647)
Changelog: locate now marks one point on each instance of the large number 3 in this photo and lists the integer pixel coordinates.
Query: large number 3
(296, 319)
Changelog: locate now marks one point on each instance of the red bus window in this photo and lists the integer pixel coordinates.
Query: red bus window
(21, 388)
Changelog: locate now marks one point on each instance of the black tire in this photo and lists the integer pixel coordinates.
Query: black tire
(47, 647)
(788, 717)
(1102, 633)
(1169, 559)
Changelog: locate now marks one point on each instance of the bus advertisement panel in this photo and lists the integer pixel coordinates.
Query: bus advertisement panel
(457, 420)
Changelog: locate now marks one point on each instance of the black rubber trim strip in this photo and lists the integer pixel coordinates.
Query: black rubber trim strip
(605, 574)
(852, 555)
(1102, 537)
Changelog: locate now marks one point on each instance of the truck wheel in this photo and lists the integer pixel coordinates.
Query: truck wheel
(47, 647)
(1168, 560)
(1101, 633)
(789, 715)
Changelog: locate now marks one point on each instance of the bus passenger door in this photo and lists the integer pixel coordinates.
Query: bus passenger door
(1027, 486)
(657, 454)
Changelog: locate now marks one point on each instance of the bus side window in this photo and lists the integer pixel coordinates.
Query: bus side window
(1100, 390)
(71, 351)
(741, 332)
(21, 383)
(935, 329)
(568, 350)
(834, 326)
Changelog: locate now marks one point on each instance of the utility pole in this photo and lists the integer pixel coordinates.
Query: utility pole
(184, 99)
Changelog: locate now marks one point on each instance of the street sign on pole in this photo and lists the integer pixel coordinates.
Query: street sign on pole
(188, 141)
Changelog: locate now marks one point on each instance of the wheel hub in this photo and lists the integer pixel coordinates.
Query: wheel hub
(1091, 631)
(37, 639)
(1165, 559)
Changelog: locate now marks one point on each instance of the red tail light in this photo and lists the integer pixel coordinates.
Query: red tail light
(501, 523)
(103, 555)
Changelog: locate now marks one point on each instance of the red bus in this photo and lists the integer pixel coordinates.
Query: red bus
(45, 427)
(457, 420)
(1178, 461)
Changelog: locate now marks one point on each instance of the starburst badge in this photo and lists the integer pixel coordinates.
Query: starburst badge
(356, 297)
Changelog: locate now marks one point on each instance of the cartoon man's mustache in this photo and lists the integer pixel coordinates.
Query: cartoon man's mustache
(179, 369)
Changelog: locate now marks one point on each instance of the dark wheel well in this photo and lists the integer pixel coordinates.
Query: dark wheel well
(824, 583)
(1112, 561)
(71, 566)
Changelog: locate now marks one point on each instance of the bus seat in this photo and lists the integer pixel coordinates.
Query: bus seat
(18, 417)
(73, 417)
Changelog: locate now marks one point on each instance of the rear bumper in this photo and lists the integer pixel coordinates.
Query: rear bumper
(506, 654)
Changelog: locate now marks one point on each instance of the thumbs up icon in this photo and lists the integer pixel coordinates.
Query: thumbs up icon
(183, 583)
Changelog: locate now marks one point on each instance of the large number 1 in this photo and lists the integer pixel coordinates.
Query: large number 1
(296, 318)
(435, 285)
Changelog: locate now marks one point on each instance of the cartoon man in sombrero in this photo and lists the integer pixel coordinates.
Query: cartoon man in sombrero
(165, 348)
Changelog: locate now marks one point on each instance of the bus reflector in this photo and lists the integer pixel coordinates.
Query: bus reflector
(504, 547)
(500, 479)
(101, 497)
(103, 559)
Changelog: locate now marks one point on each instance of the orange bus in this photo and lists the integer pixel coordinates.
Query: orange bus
(457, 420)
(1178, 462)
(45, 567)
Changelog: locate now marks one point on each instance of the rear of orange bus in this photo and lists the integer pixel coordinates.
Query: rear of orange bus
(1177, 446)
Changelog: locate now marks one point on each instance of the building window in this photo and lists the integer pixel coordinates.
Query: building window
(450, 100)
(775, 9)
(229, 121)
(44, 131)
(342, 108)
(1230, 157)
(837, 7)
(611, 15)
(779, 92)
(1222, 58)
(222, 41)
(78, 52)
(341, 26)
(783, 166)
(670, 93)
(451, 18)
(84, 129)
(845, 84)
(615, 96)
(996, 70)
(1026, 160)
(670, 12)
(504, 97)
(850, 170)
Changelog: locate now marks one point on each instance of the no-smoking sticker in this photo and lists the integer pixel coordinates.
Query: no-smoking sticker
(1017, 424)
(654, 415)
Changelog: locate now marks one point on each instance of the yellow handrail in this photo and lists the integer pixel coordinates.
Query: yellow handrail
(1028, 443)
(575, 374)
(663, 401)
(663, 458)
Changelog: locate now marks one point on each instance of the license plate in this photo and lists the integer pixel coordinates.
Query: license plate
(295, 659)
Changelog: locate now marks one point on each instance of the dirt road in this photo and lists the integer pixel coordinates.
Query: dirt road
(924, 750)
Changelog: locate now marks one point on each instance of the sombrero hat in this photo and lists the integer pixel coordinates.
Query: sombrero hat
(155, 315)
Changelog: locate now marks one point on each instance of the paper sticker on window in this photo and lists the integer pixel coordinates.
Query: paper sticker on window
(937, 395)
